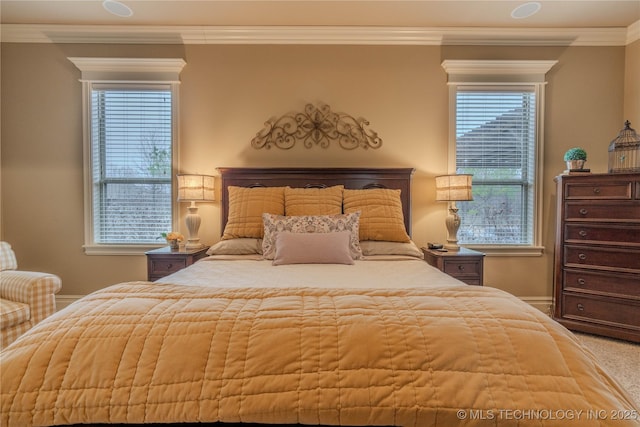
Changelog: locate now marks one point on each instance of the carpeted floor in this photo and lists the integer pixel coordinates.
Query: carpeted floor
(620, 358)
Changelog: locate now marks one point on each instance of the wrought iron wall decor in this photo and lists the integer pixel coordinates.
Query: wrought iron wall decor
(316, 126)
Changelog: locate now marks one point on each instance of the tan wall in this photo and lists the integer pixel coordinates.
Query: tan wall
(632, 85)
(228, 92)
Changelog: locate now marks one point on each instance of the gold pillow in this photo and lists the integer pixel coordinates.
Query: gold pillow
(381, 215)
(246, 206)
(313, 201)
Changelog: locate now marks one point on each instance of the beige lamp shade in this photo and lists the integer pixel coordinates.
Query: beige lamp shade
(453, 187)
(196, 188)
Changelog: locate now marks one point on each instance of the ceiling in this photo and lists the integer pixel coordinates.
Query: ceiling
(83, 18)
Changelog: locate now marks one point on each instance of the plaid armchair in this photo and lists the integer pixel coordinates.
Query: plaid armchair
(26, 297)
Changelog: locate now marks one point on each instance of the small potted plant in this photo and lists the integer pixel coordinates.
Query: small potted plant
(173, 238)
(575, 158)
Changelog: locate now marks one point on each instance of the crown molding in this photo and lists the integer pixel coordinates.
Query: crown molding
(537, 36)
(125, 34)
(312, 35)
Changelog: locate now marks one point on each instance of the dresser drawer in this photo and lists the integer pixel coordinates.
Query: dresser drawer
(594, 211)
(617, 259)
(165, 266)
(603, 283)
(602, 190)
(628, 235)
(461, 268)
(608, 311)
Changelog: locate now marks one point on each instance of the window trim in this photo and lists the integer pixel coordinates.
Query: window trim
(503, 73)
(124, 71)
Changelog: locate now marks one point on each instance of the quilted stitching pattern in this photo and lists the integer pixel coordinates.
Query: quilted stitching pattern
(382, 217)
(392, 357)
(313, 201)
(246, 206)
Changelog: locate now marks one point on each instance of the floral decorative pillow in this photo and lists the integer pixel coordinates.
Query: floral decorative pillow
(273, 224)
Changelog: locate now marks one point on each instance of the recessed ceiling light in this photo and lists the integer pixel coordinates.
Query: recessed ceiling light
(526, 10)
(117, 8)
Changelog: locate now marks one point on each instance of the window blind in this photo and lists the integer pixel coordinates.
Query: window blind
(131, 137)
(496, 143)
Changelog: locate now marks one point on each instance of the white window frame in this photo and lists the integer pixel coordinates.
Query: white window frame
(496, 73)
(124, 71)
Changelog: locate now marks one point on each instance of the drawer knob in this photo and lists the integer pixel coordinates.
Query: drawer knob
(580, 307)
(582, 256)
(582, 233)
(582, 282)
(596, 190)
(583, 211)
(461, 267)
(169, 265)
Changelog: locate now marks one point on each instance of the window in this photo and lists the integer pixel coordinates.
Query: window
(496, 143)
(496, 118)
(131, 143)
(130, 151)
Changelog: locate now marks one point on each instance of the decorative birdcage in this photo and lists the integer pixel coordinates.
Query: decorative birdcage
(624, 151)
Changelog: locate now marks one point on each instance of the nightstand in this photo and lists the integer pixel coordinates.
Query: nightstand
(465, 264)
(163, 261)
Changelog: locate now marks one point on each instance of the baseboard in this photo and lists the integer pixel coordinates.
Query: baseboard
(541, 303)
(64, 300)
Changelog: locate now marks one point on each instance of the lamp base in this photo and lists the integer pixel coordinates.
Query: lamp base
(453, 224)
(451, 247)
(195, 244)
(193, 225)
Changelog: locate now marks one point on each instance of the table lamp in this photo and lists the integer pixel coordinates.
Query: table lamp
(453, 188)
(194, 188)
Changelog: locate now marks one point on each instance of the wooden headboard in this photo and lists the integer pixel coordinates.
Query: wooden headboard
(352, 178)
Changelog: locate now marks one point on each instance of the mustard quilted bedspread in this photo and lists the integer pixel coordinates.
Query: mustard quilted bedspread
(141, 352)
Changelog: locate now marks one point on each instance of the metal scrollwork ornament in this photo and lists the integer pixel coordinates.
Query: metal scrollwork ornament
(316, 126)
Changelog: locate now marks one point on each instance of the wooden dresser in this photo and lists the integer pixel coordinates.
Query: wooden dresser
(597, 254)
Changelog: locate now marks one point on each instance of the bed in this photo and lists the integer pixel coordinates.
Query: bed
(273, 328)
